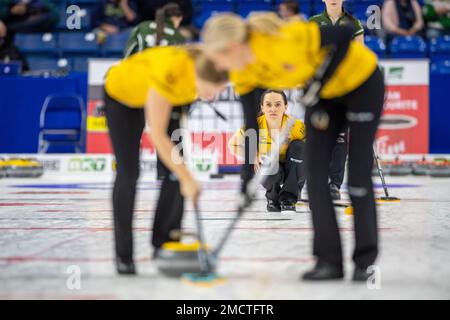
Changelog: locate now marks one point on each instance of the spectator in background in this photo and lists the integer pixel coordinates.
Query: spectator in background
(27, 16)
(163, 31)
(8, 51)
(437, 15)
(113, 16)
(402, 18)
(289, 9)
(147, 9)
(335, 15)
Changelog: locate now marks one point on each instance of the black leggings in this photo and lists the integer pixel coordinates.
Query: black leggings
(361, 111)
(250, 107)
(338, 158)
(290, 178)
(126, 126)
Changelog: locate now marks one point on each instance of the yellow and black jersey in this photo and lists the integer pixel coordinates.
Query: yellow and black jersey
(168, 70)
(265, 141)
(290, 58)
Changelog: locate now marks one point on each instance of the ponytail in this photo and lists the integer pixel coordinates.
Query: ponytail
(169, 10)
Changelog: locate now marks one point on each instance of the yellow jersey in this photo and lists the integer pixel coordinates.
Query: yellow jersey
(290, 58)
(265, 140)
(169, 70)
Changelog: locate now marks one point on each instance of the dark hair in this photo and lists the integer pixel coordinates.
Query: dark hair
(169, 10)
(280, 92)
(292, 5)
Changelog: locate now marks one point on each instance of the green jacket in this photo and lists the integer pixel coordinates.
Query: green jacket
(5, 6)
(430, 15)
(143, 36)
(346, 19)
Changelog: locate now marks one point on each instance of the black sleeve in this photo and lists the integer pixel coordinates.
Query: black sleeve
(250, 108)
(338, 38)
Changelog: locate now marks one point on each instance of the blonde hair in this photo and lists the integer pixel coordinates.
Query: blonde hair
(205, 68)
(223, 29)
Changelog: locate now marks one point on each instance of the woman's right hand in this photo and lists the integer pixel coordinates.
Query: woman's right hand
(190, 189)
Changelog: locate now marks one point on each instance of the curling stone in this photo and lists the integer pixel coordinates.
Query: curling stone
(439, 168)
(24, 168)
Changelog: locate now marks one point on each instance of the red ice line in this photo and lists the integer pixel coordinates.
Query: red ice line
(22, 259)
(150, 229)
(24, 204)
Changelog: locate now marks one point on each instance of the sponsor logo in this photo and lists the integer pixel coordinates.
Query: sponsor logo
(144, 165)
(397, 122)
(202, 164)
(393, 72)
(51, 165)
(87, 164)
(396, 73)
(148, 165)
(384, 147)
(394, 101)
(97, 124)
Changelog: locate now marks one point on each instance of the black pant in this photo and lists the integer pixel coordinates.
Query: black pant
(338, 158)
(126, 126)
(361, 111)
(290, 178)
(250, 108)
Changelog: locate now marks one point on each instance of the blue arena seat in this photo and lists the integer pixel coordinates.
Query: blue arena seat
(115, 44)
(209, 8)
(376, 44)
(47, 63)
(82, 2)
(440, 66)
(440, 47)
(306, 6)
(361, 14)
(244, 9)
(80, 64)
(78, 43)
(62, 122)
(37, 43)
(317, 7)
(408, 47)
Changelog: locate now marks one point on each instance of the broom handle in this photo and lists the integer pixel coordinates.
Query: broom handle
(380, 172)
(205, 264)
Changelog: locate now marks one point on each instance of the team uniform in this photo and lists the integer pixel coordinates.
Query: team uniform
(143, 36)
(283, 186)
(288, 60)
(170, 72)
(346, 19)
(339, 155)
